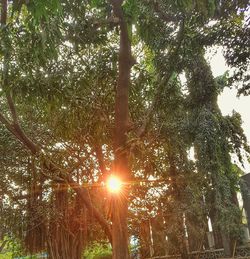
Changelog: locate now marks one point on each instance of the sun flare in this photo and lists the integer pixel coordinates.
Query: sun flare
(114, 184)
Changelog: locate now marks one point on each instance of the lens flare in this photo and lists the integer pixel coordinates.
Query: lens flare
(114, 184)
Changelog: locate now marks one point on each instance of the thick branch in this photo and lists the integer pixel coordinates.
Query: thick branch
(3, 12)
(8, 125)
(12, 108)
(15, 128)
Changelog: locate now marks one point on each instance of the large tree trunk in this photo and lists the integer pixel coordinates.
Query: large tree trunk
(177, 195)
(212, 150)
(121, 165)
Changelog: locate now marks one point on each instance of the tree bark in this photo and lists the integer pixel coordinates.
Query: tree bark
(121, 163)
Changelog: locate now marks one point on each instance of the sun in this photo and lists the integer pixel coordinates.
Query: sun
(114, 184)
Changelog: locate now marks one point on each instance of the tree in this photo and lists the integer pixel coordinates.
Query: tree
(92, 89)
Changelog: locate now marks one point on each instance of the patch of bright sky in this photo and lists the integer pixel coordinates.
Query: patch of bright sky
(228, 100)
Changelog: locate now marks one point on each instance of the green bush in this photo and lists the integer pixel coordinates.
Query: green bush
(12, 248)
(98, 251)
(7, 255)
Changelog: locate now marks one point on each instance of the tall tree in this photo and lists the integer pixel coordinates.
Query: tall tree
(74, 97)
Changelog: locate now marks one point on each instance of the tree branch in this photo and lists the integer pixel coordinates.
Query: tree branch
(3, 12)
(15, 128)
(12, 108)
(7, 124)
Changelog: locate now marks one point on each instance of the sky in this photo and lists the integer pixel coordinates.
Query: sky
(228, 100)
